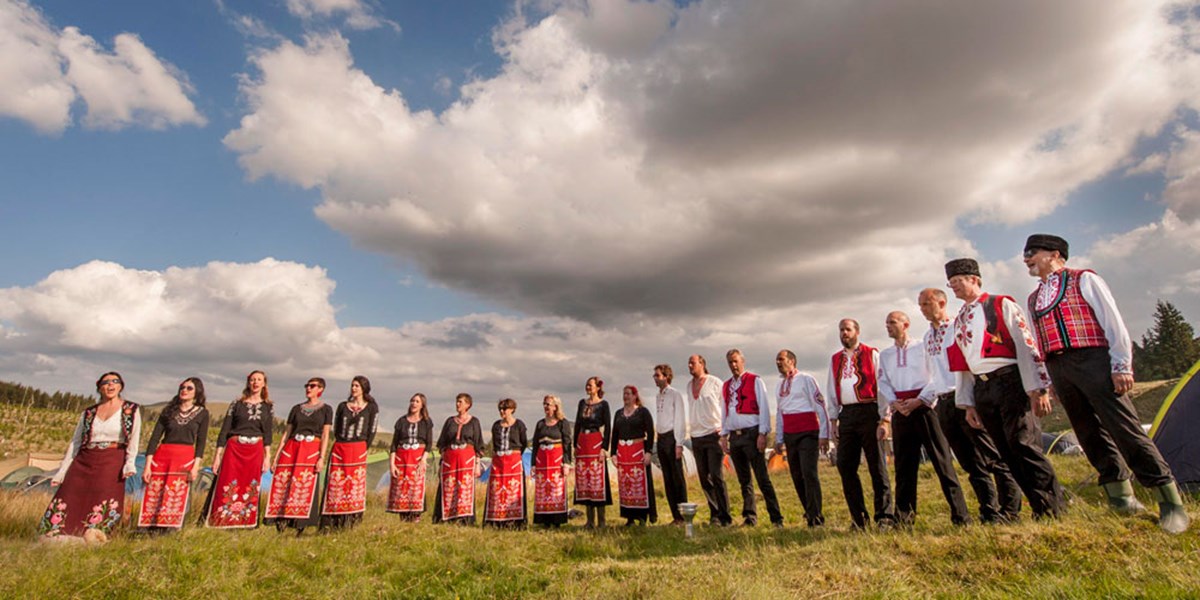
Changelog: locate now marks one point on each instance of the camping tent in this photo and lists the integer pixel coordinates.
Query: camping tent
(1174, 429)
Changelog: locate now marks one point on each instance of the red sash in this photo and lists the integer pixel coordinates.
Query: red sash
(800, 422)
(407, 492)
(458, 483)
(165, 497)
(294, 484)
(346, 483)
(589, 468)
(236, 492)
(549, 482)
(907, 394)
(631, 474)
(505, 499)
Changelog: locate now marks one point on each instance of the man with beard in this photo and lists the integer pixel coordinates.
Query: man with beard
(704, 408)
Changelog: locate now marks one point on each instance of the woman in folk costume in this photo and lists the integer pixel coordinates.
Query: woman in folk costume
(354, 426)
(298, 465)
(411, 440)
(504, 504)
(243, 455)
(632, 447)
(171, 467)
(91, 481)
(593, 428)
(551, 463)
(460, 443)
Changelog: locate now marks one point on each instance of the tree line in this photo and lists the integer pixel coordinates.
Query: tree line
(1168, 349)
(23, 395)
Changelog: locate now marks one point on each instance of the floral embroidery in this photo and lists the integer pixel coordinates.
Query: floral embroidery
(104, 515)
(52, 521)
(237, 508)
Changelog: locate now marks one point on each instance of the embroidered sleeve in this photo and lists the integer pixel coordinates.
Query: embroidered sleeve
(131, 445)
(1120, 348)
(1029, 358)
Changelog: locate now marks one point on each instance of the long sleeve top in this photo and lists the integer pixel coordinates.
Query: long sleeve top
(799, 393)
(245, 419)
(846, 381)
(309, 421)
(706, 410)
(174, 427)
(107, 430)
(1096, 293)
(903, 369)
(513, 438)
(410, 435)
(351, 426)
(941, 379)
(595, 417)
(970, 328)
(559, 433)
(638, 426)
(471, 434)
(735, 420)
(671, 411)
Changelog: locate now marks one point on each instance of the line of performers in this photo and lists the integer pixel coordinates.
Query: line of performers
(972, 389)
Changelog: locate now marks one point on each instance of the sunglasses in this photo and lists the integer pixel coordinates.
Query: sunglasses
(1030, 252)
(110, 382)
(312, 385)
(187, 387)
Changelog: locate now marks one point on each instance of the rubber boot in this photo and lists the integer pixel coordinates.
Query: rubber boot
(1172, 517)
(1121, 498)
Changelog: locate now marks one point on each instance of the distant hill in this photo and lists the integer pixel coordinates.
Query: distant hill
(22, 395)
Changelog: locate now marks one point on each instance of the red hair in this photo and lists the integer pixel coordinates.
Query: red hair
(636, 396)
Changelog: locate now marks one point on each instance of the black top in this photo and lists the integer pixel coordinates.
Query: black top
(251, 420)
(175, 428)
(407, 433)
(516, 437)
(350, 426)
(593, 418)
(309, 421)
(559, 433)
(471, 433)
(639, 426)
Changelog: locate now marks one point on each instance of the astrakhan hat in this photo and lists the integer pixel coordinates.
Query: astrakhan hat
(962, 266)
(1046, 241)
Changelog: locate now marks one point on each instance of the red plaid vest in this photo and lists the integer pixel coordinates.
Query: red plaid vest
(1069, 321)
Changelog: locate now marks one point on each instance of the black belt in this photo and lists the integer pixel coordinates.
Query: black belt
(945, 396)
(1001, 372)
(744, 431)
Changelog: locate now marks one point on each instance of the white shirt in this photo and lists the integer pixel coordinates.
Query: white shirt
(735, 420)
(1096, 293)
(672, 414)
(902, 369)
(104, 431)
(799, 394)
(969, 331)
(705, 408)
(941, 380)
(846, 380)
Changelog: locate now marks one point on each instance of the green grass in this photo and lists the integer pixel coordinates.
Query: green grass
(1088, 553)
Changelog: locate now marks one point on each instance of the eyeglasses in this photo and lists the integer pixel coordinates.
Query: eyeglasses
(1032, 251)
(312, 385)
(110, 382)
(188, 387)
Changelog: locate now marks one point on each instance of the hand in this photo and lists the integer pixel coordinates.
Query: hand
(1122, 383)
(724, 444)
(320, 465)
(833, 431)
(779, 448)
(823, 445)
(881, 432)
(678, 452)
(1040, 401)
(55, 483)
(646, 459)
(268, 466)
(195, 472)
(128, 474)
(146, 469)
(395, 472)
(478, 469)
(973, 418)
(762, 442)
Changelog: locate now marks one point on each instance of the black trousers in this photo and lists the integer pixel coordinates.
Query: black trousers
(803, 452)
(709, 464)
(672, 470)
(910, 434)
(857, 426)
(995, 488)
(747, 459)
(1107, 425)
(1004, 408)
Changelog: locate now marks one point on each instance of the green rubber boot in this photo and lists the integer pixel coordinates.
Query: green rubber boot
(1172, 517)
(1121, 498)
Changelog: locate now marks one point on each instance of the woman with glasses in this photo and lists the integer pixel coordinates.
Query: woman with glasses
(354, 426)
(243, 455)
(411, 440)
(593, 427)
(551, 463)
(504, 504)
(460, 443)
(91, 480)
(298, 465)
(171, 467)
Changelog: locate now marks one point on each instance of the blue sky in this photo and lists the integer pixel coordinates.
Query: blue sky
(506, 199)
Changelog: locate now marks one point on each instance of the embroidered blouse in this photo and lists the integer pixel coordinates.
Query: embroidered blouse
(104, 430)
(559, 433)
(350, 426)
(174, 427)
(470, 434)
(408, 434)
(512, 438)
(310, 420)
(638, 426)
(245, 419)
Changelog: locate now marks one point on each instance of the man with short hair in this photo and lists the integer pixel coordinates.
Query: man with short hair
(858, 424)
(802, 428)
(671, 423)
(1089, 355)
(707, 414)
(997, 492)
(903, 374)
(744, 436)
(1002, 383)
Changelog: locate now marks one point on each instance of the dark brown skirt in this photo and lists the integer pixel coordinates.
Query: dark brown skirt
(91, 496)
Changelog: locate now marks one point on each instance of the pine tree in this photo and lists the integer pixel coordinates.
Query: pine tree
(1169, 349)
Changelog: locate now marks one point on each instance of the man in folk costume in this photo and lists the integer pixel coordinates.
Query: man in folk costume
(1089, 356)
(903, 374)
(671, 422)
(1002, 383)
(997, 492)
(744, 436)
(707, 416)
(858, 423)
(802, 429)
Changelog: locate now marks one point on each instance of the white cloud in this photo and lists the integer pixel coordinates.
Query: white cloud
(43, 71)
(358, 13)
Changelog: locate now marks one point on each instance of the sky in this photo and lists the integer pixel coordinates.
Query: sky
(505, 198)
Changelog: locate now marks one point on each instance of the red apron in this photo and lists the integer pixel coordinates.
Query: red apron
(294, 485)
(549, 481)
(235, 494)
(407, 492)
(632, 474)
(458, 483)
(165, 498)
(505, 499)
(589, 468)
(346, 484)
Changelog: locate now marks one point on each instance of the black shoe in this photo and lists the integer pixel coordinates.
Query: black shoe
(777, 524)
(750, 523)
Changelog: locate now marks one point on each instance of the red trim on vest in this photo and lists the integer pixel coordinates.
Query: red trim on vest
(747, 401)
(866, 390)
(1069, 322)
(997, 341)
